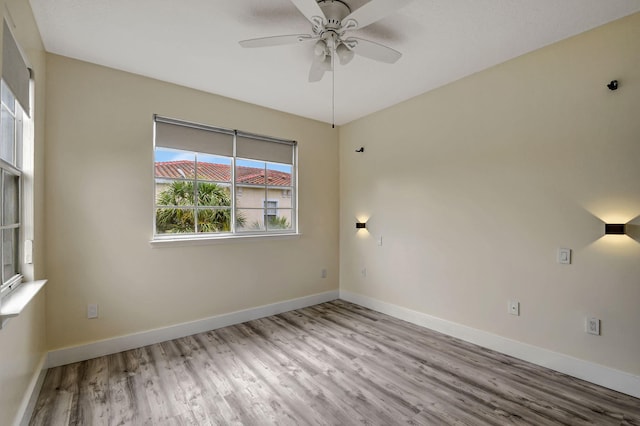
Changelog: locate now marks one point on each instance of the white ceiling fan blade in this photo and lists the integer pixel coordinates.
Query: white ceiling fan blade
(277, 40)
(316, 72)
(372, 50)
(374, 11)
(318, 67)
(310, 9)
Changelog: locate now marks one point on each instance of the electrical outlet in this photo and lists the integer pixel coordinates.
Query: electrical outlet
(513, 307)
(363, 271)
(593, 326)
(564, 256)
(323, 273)
(92, 310)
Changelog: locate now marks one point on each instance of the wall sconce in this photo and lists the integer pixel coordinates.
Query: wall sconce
(361, 225)
(614, 229)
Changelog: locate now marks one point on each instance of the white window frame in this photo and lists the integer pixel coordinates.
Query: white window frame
(13, 168)
(235, 187)
(20, 289)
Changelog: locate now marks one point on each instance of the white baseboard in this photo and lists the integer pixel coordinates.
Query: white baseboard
(31, 395)
(132, 341)
(595, 373)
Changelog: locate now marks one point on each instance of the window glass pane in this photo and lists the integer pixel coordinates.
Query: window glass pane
(174, 164)
(214, 220)
(250, 197)
(7, 98)
(281, 221)
(214, 168)
(250, 172)
(175, 221)
(175, 193)
(250, 188)
(279, 175)
(250, 220)
(7, 143)
(281, 198)
(9, 253)
(214, 194)
(10, 213)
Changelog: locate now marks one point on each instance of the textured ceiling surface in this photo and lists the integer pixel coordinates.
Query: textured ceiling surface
(194, 43)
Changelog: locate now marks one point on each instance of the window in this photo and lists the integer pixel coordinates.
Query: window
(14, 106)
(10, 173)
(218, 182)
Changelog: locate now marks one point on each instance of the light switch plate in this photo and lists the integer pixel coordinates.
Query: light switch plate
(564, 256)
(92, 310)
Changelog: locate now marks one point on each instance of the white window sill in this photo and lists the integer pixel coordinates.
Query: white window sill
(199, 241)
(13, 304)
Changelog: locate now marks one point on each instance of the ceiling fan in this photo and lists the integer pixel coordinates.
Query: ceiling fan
(331, 20)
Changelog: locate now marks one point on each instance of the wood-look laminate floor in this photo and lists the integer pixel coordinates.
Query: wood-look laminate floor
(330, 364)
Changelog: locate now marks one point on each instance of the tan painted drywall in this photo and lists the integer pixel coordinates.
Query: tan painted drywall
(99, 194)
(23, 341)
(474, 186)
(22, 348)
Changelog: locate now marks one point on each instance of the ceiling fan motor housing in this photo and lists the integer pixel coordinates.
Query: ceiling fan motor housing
(331, 29)
(334, 11)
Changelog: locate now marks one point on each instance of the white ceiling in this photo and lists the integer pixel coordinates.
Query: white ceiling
(194, 43)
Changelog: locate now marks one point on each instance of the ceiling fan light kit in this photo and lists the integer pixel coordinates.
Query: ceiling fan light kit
(320, 49)
(345, 55)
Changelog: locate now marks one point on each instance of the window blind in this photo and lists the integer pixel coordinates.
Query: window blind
(192, 138)
(15, 72)
(256, 148)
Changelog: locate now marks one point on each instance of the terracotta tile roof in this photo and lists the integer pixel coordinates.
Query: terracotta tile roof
(220, 172)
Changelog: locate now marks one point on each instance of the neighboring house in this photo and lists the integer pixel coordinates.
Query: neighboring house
(260, 194)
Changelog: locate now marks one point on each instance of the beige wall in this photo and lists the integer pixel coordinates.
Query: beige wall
(22, 341)
(474, 186)
(99, 190)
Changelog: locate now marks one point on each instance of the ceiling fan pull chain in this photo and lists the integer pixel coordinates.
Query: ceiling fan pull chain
(333, 101)
(333, 87)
